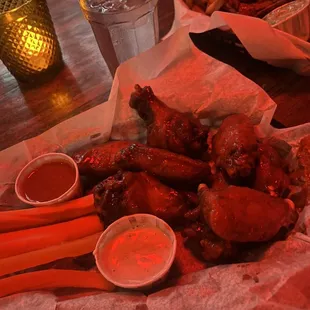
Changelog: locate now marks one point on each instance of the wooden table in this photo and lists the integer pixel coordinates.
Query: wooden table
(85, 81)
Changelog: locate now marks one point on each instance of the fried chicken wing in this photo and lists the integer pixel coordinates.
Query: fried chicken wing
(219, 181)
(213, 248)
(270, 175)
(260, 8)
(100, 160)
(231, 6)
(165, 165)
(242, 214)
(256, 8)
(303, 157)
(167, 128)
(137, 192)
(234, 147)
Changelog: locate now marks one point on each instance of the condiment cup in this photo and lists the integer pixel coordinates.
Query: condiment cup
(293, 18)
(131, 222)
(73, 192)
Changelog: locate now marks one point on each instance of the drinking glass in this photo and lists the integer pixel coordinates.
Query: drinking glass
(122, 28)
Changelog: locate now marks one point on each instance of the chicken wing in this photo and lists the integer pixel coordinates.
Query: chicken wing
(299, 189)
(242, 214)
(167, 128)
(137, 192)
(260, 8)
(167, 166)
(100, 160)
(234, 147)
(303, 156)
(214, 249)
(270, 175)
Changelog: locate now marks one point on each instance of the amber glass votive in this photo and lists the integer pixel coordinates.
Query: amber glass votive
(28, 43)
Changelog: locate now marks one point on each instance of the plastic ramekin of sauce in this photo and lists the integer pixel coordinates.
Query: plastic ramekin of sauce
(48, 179)
(292, 17)
(136, 251)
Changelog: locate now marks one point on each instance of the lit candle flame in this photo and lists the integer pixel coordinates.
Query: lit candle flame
(35, 47)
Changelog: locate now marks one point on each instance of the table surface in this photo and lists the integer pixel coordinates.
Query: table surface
(85, 81)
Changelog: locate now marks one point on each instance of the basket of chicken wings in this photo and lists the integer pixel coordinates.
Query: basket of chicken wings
(222, 194)
(223, 190)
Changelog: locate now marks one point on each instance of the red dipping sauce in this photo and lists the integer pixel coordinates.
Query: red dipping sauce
(49, 181)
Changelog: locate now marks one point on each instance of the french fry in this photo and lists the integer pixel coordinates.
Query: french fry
(40, 257)
(201, 3)
(52, 279)
(189, 3)
(35, 217)
(22, 241)
(197, 8)
(214, 6)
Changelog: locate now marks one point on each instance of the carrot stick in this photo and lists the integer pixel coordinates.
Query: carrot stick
(35, 217)
(22, 241)
(51, 279)
(40, 257)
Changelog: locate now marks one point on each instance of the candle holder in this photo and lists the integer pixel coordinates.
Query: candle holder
(28, 43)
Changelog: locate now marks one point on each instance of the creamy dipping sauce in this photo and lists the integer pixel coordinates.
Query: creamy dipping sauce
(49, 181)
(136, 255)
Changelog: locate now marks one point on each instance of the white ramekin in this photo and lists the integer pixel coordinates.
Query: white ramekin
(73, 192)
(129, 223)
(293, 18)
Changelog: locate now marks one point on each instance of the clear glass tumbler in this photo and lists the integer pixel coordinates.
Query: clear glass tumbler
(28, 43)
(122, 28)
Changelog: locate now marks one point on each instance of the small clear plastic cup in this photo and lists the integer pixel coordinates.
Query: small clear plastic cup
(130, 223)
